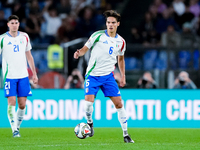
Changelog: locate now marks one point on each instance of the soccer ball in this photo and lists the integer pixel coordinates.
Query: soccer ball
(82, 130)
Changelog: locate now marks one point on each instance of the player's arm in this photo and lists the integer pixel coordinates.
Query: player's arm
(121, 65)
(80, 52)
(32, 66)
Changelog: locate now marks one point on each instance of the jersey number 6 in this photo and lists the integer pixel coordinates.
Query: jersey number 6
(111, 50)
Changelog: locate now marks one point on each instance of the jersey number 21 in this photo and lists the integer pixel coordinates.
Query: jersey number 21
(16, 48)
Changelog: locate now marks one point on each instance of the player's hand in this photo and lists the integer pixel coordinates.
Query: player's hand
(35, 79)
(77, 54)
(122, 82)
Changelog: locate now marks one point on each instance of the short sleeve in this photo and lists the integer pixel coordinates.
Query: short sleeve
(123, 47)
(93, 38)
(1, 43)
(28, 45)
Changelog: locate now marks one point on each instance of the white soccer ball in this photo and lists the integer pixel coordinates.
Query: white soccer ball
(82, 130)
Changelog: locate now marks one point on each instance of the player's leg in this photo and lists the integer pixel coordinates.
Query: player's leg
(23, 90)
(91, 87)
(111, 89)
(11, 112)
(20, 111)
(10, 91)
(89, 100)
(122, 117)
(121, 113)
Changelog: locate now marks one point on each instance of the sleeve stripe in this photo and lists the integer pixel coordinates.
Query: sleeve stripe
(122, 45)
(26, 39)
(2, 42)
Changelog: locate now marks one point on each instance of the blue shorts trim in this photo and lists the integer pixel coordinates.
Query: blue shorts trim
(17, 87)
(106, 83)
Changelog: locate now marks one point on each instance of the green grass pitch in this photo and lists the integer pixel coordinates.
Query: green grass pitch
(103, 139)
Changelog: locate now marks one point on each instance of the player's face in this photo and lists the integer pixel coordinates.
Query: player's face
(13, 25)
(112, 24)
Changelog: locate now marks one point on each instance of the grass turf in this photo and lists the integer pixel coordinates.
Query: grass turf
(104, 138)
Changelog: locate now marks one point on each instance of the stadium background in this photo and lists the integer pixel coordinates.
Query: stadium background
(183, 106)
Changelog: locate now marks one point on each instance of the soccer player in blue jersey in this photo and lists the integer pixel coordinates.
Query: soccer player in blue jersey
(15, 48)
(106, 46)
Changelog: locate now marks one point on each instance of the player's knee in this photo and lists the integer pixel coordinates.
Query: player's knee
(22, 106)
(12, 103)
(118, 105)
(89, 98)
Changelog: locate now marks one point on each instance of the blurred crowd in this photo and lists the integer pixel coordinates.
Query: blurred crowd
(176, 24)
(62, 20)
(53, 22)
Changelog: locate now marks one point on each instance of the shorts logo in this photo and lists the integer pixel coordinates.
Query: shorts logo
(118, 92)
(86, 90)
(7, 92)
(30, 92)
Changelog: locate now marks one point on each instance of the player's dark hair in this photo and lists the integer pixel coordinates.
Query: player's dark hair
(112, 13)
(13, 17)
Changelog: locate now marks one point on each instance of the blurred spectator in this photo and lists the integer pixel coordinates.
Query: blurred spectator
(52, 80)
(165, 21)
(183, 81)
(136, 37)
(78, 5)
(63, 7)
(147, 24)
(33, 27)
(53, 22)
(170, 38)
(179, 7)
(67, 32)
(19, 10)
(197, 26)
(3, 23)
(160, 6)
(194, 7)
(152, 39)
(75, 80)
(55, 57)
(154, 12)
(114, 2)
(86, 23)
(188, 39)
(186, 17)
(34, 7)
(146, 82)
(99, 18)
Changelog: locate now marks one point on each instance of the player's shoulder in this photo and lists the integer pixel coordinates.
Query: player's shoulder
(121, 38)
(97, 33)
(3, 35)
(23, 33)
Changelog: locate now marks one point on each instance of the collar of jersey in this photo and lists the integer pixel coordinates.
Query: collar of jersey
(109, 36)
(11, 35)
